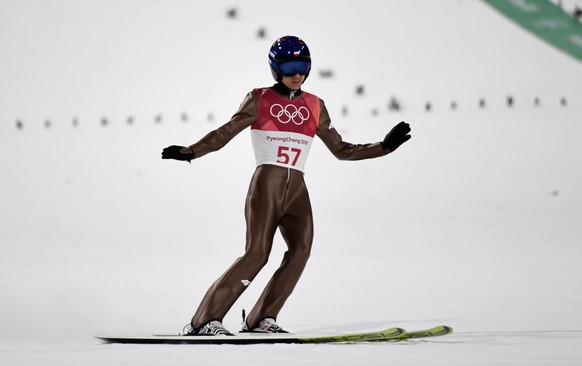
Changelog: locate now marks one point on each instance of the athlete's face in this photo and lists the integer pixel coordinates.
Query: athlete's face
(293, 82)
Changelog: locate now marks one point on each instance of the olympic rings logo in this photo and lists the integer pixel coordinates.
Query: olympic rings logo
(290, 113)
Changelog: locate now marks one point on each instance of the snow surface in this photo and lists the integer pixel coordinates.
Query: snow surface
(474, 223)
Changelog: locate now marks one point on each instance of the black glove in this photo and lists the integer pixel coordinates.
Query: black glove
(178, 153)
(396, 137)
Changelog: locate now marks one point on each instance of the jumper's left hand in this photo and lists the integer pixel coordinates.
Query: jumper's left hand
(396, 137)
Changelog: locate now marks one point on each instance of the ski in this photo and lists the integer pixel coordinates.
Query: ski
(260, 338)
(392, 334)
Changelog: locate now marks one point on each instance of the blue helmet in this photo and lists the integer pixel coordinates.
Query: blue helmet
(288, 56)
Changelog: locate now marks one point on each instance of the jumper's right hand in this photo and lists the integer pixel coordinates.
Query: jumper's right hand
(178, 153)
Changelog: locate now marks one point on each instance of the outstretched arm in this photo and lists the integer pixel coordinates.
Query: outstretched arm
(347, 151)
(217, 139)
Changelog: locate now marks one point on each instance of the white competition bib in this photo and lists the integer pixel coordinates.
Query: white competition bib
(287, 149)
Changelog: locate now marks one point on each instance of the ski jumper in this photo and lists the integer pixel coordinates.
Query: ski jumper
(282, 131)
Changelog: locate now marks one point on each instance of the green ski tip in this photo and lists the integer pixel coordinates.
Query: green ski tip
(438, 331)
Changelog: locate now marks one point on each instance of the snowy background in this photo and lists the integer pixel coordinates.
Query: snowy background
(474, 223)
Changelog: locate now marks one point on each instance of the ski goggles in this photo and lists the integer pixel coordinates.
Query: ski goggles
(291, 68)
